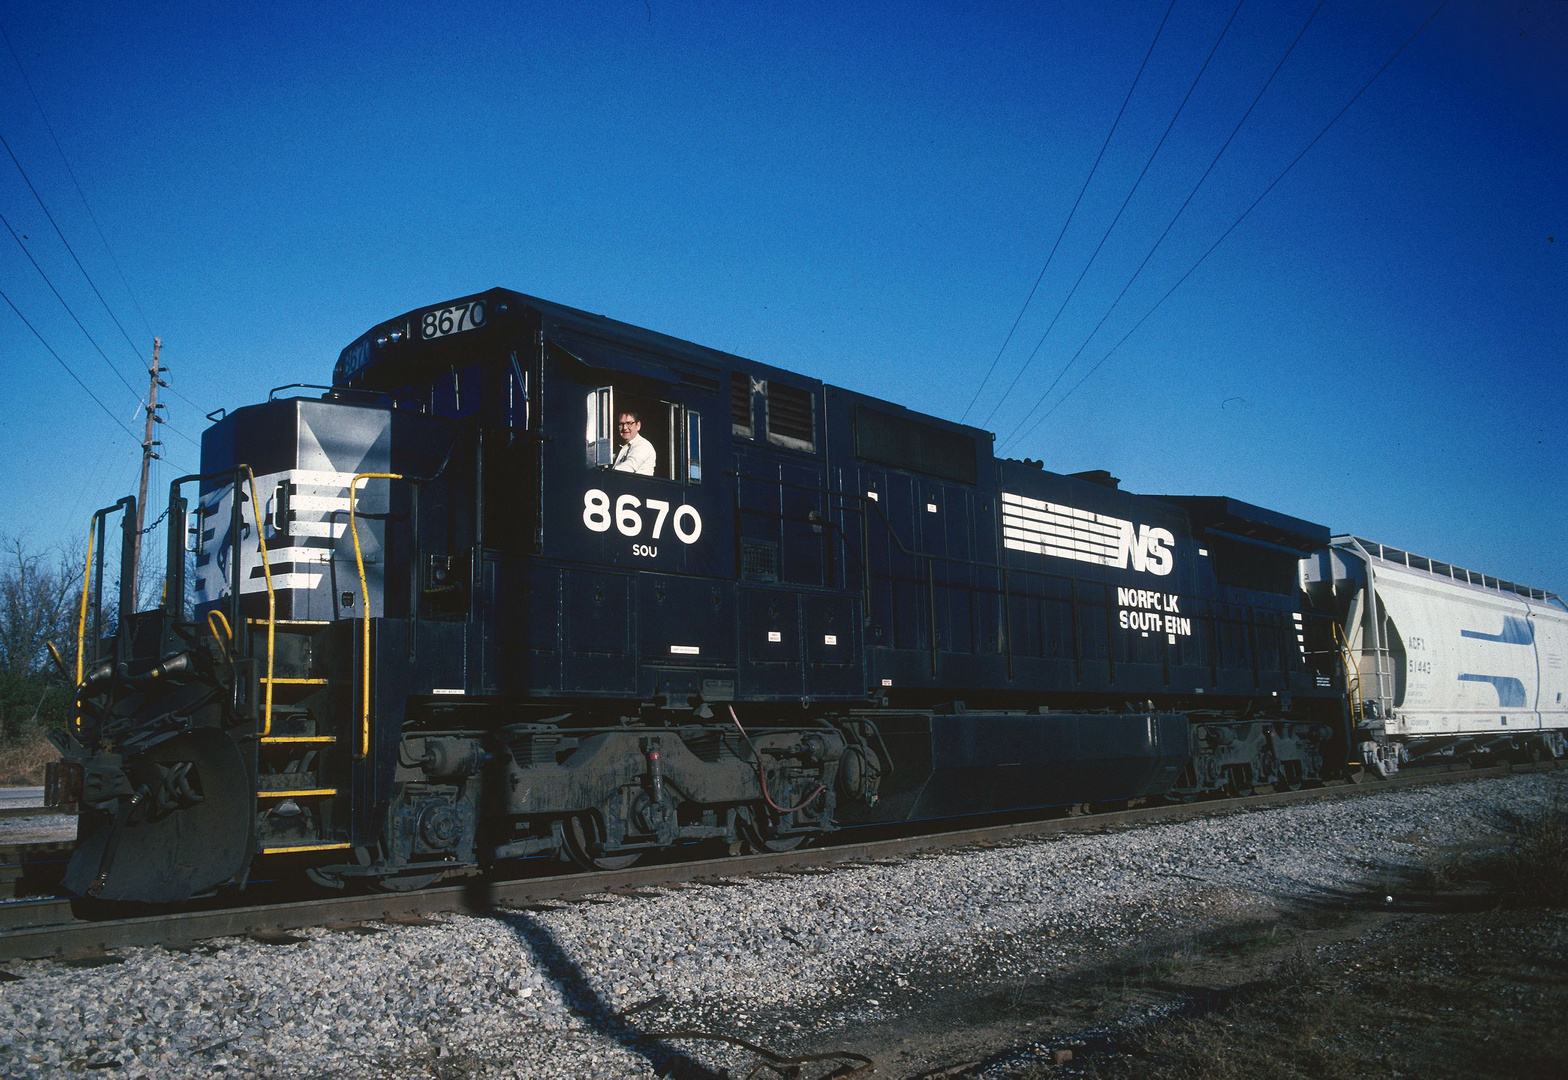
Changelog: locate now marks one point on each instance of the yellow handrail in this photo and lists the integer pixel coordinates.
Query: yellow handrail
(1350, 659)
(81, 623)
(272, 599)
(213, 618)
(364, 600)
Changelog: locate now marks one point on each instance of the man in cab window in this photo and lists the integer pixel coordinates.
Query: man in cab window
(636, 454)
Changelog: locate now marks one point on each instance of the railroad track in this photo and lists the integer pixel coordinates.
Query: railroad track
(47, 926)
(28, 811)
(31, 872)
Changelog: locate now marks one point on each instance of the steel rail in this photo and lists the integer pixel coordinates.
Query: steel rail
(481, 896)
(30, 875)
(30, 811)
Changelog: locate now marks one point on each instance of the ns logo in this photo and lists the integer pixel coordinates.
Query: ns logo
(1147, 548)
(1067, 532)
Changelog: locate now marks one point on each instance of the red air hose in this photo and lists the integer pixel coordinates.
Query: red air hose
(763, 776)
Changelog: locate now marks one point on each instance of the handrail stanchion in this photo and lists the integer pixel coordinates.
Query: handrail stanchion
(214, 617)
(1350, 660)
(174, 560)
(93, 587)
(128, 582)
(81, 622)
(272, 599)
(364, 600)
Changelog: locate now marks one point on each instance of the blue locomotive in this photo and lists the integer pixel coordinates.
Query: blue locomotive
(526, 581)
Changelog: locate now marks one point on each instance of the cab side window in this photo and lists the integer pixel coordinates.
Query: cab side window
(627, 432)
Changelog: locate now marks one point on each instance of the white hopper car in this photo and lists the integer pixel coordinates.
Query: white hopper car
(1442, 660)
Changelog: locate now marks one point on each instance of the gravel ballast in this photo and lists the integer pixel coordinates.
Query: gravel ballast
(787, 961)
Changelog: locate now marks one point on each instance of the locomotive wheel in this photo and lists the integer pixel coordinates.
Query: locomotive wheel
(777, 845)
(578, 848)
(405, 882)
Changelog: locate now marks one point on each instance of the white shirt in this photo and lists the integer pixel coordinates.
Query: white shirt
(637, 456)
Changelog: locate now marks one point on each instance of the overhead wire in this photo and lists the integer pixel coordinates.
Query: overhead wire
(88, 491)
(72, 173)
(1193, 86)
(68, 370)
(15, 161)
(142, 400)
(140, 396)
(1029, 414)
(68, 310)
(1202, 258)
(182, 397)
(1063, 231)
(173, 390)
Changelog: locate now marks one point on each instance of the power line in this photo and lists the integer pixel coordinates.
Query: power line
(1119, 211)
(1202, 258)
(68, 370)
(72, 173)
(199, 379)
(170, 425)
(68, 247)
(1092, 169)
(67, 306)
(1172, 224)
(82, 490)
(21, 70)
(183, 398)
(84, 330)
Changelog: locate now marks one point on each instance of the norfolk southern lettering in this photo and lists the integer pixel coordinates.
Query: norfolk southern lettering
(1158, 612)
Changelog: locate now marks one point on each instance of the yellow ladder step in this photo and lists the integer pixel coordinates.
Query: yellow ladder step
(291, 622)
(305, 847)
(279, 681)
(300, 739)
(302, 793)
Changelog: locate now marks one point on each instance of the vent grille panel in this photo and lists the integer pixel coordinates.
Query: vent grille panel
(740, 403)
(758, 561)
(791, 419)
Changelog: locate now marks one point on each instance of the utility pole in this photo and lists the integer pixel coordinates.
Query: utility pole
(155, 380)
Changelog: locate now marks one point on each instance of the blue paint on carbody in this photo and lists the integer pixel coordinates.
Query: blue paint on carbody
(1510, 691)
(1516, 631)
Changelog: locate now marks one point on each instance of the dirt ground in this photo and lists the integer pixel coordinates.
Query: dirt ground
(1463, 974)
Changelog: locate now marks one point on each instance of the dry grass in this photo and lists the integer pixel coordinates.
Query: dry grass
(22, 762)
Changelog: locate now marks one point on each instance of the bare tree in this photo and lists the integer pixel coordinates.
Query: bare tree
(39, 591)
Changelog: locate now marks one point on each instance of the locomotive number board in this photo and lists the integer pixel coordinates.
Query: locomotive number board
(452, 320)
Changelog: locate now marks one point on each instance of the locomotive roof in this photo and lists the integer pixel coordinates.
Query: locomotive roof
(382, 357)
(1224, 516)
(373, 350)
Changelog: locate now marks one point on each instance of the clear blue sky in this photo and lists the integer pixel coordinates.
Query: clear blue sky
(862, 193)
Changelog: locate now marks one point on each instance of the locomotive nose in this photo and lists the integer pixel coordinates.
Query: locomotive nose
(178, 826)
